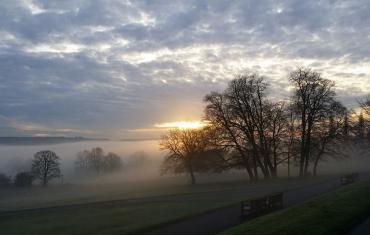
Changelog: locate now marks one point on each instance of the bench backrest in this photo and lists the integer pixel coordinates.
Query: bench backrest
(263, 204)
(350, 178)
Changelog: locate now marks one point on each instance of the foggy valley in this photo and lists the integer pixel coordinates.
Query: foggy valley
(184, 117)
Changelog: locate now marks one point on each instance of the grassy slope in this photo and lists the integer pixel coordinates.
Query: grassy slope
(126, 218)
(95, 220)
(333, 213)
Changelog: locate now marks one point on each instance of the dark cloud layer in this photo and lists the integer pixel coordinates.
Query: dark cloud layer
(113, 67)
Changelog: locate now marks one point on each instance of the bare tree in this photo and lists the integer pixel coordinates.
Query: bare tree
(365, 105)
(23, 179)
(45, 166)
(95, 159)
(82, 161)
(188, 151)
(328, 136)
(290, 140)
(313, 97)
(279, 135)
(219, 115)
(360, 127)
(346, 125)
(250, 125)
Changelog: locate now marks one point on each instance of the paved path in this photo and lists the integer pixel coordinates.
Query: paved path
(222, 219)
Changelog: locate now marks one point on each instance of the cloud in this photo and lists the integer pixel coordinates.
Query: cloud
(16, 127)
(112, 66)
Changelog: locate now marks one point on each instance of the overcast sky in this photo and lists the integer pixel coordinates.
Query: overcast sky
(115, 68)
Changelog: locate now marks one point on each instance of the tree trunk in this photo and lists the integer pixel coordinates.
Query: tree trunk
(274, 172)
(191, 171)
(192, 177)
(255, 167)
(288, 164)
(273, 167)
(308, 149)
(316, 163)
(302, 157)
(303, 144)
(44, 181)
(268, 166)
(250, 173)
(265, 170)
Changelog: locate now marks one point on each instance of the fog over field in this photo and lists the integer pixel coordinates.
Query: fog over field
(15, 158)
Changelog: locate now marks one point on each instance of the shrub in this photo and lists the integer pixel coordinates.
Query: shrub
(4, 181)
(23, 179)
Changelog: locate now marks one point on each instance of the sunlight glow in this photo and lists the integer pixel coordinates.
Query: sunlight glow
(182, 125)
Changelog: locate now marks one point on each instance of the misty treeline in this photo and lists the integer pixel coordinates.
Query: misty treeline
(97, 162)
(45, 166)
(249, 129)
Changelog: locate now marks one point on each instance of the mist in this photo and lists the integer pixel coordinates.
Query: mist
(16, 158)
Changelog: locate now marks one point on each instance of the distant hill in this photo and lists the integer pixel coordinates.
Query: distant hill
(42, 140)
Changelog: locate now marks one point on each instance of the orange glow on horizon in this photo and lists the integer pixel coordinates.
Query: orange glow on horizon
(182, 125)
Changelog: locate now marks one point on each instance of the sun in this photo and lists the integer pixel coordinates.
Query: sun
(183, 125)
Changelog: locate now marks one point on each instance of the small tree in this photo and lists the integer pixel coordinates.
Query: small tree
(4, 181)
(23, 179)
(45, 166)
(188, 151)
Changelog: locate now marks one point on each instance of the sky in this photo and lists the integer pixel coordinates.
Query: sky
(123, 69)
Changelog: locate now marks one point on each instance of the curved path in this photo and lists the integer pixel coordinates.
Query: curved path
(222, 219)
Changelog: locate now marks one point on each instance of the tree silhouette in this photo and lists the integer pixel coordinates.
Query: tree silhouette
(313, 96)
(250, 125)
(328, 136)
(112, 163)
(4, 180)
(23, 179)
(365, 105)
(188, 151)
(45, 166)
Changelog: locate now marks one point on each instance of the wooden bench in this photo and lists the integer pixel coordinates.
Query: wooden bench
(348, 179)
(263, 205)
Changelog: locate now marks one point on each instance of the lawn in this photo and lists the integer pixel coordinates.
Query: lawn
(333, 213)
(122, 217)
(101, 220)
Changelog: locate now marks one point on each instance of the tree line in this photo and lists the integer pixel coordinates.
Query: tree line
(45, 166)
(249, 129)
(97, 162)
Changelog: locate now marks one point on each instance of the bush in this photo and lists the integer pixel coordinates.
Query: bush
(23, 179)
(4, 181)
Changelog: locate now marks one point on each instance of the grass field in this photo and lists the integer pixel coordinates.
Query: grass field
(101, 220)
(332, 213)
(122, 217)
